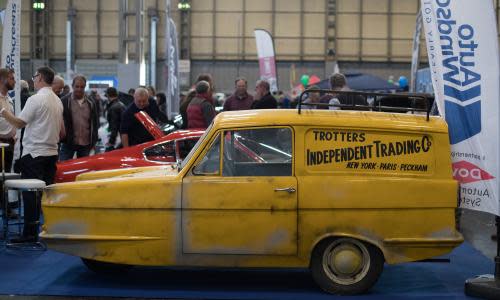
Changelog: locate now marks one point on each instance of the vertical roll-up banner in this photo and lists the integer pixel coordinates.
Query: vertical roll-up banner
(267, 60)
(462, 46)
(415, 55)
(11, 46)
(173, 89)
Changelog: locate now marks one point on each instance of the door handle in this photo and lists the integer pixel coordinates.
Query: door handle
(288, 189)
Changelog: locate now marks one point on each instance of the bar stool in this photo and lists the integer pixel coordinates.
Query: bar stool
(24, 185)
(5, 176)
(5, 201)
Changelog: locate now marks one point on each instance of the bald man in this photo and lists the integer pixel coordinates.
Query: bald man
(132, 132)
(58, 86)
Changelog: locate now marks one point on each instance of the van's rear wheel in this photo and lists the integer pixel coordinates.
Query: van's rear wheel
(106, 268)
(346, 266)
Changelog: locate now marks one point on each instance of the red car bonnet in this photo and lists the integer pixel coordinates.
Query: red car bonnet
(149, 124)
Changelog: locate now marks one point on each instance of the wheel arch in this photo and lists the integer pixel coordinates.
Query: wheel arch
(335, 235)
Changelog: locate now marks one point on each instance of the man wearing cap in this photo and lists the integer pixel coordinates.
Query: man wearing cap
(114, 111)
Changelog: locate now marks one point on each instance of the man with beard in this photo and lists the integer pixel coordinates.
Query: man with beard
(263, 97)
(7, 131)
(241, 99)
(43, 118)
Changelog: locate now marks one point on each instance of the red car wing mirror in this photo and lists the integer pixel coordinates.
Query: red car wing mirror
(149, 124)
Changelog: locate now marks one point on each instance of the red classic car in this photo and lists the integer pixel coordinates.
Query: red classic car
(167, 149)
(164, 149)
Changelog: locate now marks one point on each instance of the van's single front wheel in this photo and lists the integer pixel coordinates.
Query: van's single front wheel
(346, 266)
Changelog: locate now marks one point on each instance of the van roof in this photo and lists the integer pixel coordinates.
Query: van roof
(337, 118)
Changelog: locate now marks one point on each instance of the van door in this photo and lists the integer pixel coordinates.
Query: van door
(245, 200)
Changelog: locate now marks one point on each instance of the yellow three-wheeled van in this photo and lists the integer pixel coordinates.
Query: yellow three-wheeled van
(339, 192)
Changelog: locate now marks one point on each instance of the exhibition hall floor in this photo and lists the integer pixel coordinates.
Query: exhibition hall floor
(51, 275)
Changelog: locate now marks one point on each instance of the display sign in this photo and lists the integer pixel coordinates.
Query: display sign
(415, 53)
(462, 46)
(267, 61)
(11, 43)
(374, 152)
(173, 88)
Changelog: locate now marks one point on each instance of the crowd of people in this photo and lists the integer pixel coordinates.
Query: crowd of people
(198, 106)
(60, 123)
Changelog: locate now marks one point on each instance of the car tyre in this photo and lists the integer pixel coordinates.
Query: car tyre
(105, 268)
(346, 266)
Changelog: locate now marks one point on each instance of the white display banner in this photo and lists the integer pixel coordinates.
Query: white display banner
(11, 43)
(463, 55)
(415, 55)
(267, 60)
(173, 88)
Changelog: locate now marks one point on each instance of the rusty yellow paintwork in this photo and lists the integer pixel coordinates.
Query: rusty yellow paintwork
(165, 216)
(161, 170)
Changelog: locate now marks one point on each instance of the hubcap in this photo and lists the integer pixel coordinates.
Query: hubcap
(346, 261)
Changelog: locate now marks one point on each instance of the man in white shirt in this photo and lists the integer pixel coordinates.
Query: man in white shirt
(7, 131)
(43, 118)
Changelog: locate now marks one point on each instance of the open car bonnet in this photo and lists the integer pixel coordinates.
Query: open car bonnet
(149, 124)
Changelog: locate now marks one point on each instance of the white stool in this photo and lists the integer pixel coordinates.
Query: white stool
(19, 186)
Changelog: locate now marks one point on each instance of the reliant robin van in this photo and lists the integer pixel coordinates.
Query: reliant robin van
(339, 192)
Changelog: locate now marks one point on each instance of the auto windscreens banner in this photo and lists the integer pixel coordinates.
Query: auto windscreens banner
(267, 60)
(11, 44)
(173, 89)
(463, 54)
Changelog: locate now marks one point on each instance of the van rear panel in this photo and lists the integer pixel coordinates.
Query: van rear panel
(391, 188)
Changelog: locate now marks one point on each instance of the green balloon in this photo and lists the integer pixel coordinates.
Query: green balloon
(304, 79)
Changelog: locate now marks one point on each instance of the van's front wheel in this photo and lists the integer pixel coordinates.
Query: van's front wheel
(346, 266)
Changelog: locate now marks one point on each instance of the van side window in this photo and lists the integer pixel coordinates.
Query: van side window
(258, 152)
(210, 164)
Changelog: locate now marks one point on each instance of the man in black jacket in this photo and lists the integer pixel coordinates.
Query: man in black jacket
(114, 111)
(263, 97)
(132, 132)
(81, 121)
